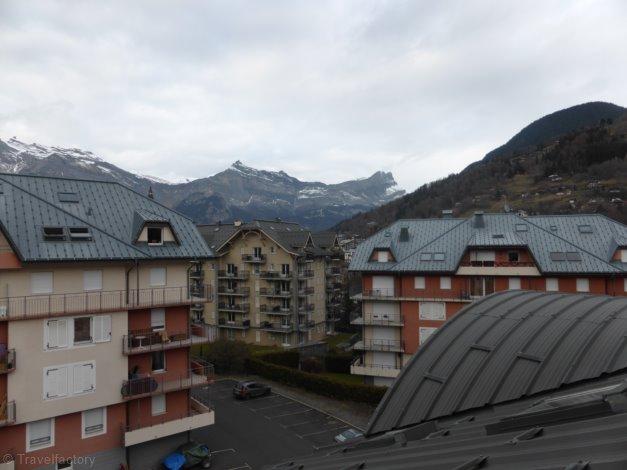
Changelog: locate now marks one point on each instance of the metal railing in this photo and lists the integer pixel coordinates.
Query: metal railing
(275, 275)
(253, 258)
(196, 408)
(430, 293)
(223, 290)
(380, 319)
(498, 264)
(307, 273)
(233, 274)
(306, 291)
(241, 325)
(333, 271)
(200, 373)
(359, 362)
(388, 292)
(306, 307)
(238, 308)
(264, 291)
(143, 340)
(7, 359)
(333, 317)
(381, 345)
(275, 309)
(37, 306)
(7, 412)
(280, 327)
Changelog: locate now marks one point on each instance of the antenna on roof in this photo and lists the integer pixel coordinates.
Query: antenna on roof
(151, 195)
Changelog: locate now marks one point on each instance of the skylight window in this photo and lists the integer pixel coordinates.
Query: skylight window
(68, 197)
(557, 256)
(54, 233)
(498, 235)
(585, 228)
(79, 233)
(425, 256)
(522, 228)
(573, 256)
(438, 256)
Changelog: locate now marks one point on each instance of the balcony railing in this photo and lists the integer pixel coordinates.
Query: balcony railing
(254, 258)
(277, 327)
(306, 308)
(308, 325)
(334, 286)
(275, 309)
(7, 413)
(417, 294)
(381, 319)
(242, 291)
(305, 274)
(201, 373)
(498, 264)
(360, 367)
(196, 408)
(333, 317)
(233, 274)
(265, 292)
(235, 324)
(237, 308)
(379, 292)
(275, 275)
(7, 359)
(395, 345)
(333, 271)
(306, 291)
(48, 305)
(147, 340)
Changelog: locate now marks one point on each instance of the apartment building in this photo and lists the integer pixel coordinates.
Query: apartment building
(275, 282)
(416, 274)
(96, 283)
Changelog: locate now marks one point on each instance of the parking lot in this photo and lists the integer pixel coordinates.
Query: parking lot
(264, 430)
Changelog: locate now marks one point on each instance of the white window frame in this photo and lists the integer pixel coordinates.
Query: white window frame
(152, 276)
(581, 281)
(446, 283)
(552, 284)
(91, 284)
(514, 283)
(29, 448)
(39, 277)
(104, 423)
(420, 282)
(91, 331)
(155, 315)
(623, 255)
(152, 405)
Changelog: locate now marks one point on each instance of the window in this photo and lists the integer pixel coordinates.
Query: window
(419, 282)
(552, 284)
(41, 283)
(56, 334)
(256, 269)
(585, 228)
(79, 233)
(445, 283)
(489, 256)
(285, 269)
(424, 333)
(480, 286)
(557, 256)
(257, 252)
(512, 256)
(157, 319)
(432, 311)
(69, 379)
(514, 283)
(92, 280)
(158, 361)
(39, 434)
(272, 249)
(82, 330)
(53, 234)
(383, 256)
(157, 277)
(94, 422)
(623, 256)
(101, 326)
(68, 197)
(583, 285)
(573, 256)
(158, 404)
(155, 235)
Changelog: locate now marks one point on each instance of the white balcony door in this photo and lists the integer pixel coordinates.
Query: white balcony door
(383, 333)
(385, 359)
(383, 310)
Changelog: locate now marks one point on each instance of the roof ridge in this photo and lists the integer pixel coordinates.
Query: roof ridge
(75, 216)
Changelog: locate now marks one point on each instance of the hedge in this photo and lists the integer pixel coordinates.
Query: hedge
(281, 358)
(340, 363)
(317, 384)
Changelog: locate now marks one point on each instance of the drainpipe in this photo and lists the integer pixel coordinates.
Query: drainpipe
(128, 287)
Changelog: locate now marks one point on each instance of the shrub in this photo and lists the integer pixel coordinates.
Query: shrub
(227, 356)
(311, 364)
(281, 358)
(315, 383)
(340, 363)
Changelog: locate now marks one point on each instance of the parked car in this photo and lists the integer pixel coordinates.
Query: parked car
(188, 455)
(244, 390)
(348, 435)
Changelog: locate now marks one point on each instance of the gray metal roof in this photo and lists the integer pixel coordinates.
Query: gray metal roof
(504, 347)
(113, 213)
(593, 237)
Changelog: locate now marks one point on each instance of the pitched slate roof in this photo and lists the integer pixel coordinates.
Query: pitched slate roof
(504, 347)
(593, 237)
(113, 213)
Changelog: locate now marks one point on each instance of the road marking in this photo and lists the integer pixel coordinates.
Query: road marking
(239, 468)
(223, 450)
(320, 432)
(289, 414)
(271, 406)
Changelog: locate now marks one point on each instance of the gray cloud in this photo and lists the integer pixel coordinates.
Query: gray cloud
(324, 90)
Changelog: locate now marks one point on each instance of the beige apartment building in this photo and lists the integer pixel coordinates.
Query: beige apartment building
(275, 282)
(96, 283)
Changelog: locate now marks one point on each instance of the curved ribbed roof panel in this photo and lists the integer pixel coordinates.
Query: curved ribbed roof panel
(504, 347)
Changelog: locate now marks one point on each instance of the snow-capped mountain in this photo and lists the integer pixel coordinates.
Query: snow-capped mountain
(239, 192)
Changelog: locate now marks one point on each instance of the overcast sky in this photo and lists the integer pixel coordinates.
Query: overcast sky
(324, 90)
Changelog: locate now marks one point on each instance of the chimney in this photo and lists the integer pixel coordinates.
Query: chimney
(404, 235)
(477, 220)
(237, 223)
(447, 213)
(151, 195)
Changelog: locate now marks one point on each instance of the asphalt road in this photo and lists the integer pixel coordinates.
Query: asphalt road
(261, 431)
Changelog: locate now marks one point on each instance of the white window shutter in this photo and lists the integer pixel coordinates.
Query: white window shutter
(102, 328)
(57, 334)
(157, 277)
(84, 378)
(41, 283)
(157, 318)
(56, 382)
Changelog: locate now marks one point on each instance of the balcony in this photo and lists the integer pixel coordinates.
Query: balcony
(233, 324)
(271, 275)
(334, 286)
(241, 275)
(306, 308)
(254, 259)
(147, 340)
(277, 327)
(142, 385)
(237, 308)
(235, 291)
(333, 271)
(392, 345)
(7, 413)
(196, 274)
(275, 310)
(305, 274)
(359, 367)
(308, 325)
(333, 317)
(51, 305)
(378, 319)
(199, 416)
(306, 291)
(7, 359)
(265, 292)
(498, 268)
(451, 295)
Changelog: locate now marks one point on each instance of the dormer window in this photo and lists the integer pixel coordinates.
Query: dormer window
(382, 256)
(155, 235)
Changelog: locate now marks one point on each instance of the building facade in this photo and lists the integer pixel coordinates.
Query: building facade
(275, 283)
(96, 283)
(416, 274)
